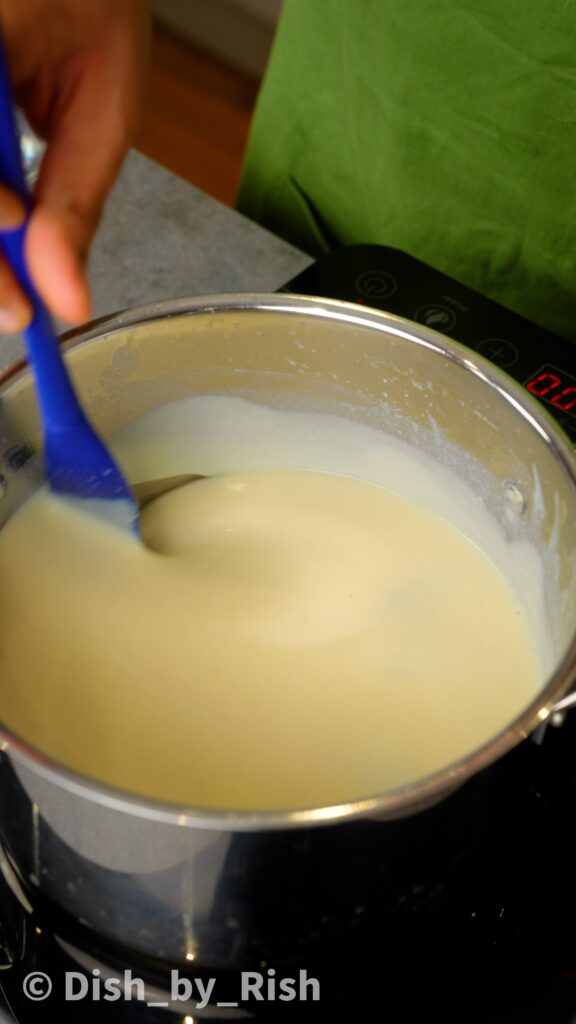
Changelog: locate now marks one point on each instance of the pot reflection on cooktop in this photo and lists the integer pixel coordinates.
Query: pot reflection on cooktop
(496, 945)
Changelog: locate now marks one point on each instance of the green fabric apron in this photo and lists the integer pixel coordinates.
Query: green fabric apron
(445, 128)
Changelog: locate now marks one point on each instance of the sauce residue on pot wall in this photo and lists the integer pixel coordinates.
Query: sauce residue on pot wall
(306, 627)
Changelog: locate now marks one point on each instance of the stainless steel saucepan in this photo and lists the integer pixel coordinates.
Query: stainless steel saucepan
(234, 889)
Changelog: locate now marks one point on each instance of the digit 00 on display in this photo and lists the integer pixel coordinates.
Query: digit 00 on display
(554, 387)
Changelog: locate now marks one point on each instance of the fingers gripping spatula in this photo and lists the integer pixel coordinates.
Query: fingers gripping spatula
(77, 464)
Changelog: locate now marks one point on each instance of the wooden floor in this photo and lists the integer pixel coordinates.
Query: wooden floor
(196, 116)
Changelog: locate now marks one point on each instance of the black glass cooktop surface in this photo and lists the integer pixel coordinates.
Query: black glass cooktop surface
(496, 942)
(390, 280)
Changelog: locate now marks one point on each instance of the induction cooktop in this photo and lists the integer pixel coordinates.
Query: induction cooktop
(497, 945)
(390, 280)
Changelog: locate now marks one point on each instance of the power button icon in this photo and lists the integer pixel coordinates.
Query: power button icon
(376, 284)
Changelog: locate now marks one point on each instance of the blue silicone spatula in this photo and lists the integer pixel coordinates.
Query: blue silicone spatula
(77, 464)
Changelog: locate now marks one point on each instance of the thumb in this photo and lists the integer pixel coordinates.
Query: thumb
(53, 246)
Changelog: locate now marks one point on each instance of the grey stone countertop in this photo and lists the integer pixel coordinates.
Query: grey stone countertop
(161, 238)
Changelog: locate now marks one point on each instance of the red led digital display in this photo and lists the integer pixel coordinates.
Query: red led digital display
(554, 387)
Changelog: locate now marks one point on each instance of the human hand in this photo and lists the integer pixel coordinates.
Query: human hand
(77, 69)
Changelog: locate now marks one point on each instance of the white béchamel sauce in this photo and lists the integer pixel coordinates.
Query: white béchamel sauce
(289, 638)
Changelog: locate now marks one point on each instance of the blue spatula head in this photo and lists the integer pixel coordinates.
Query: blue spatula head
(77, 463)
(79, 467)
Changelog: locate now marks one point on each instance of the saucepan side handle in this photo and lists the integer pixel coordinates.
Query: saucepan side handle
(557, 715)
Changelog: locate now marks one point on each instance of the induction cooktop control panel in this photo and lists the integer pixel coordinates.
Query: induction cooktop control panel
(388, 279)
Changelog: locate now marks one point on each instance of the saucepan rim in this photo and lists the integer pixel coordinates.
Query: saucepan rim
(405, 799)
